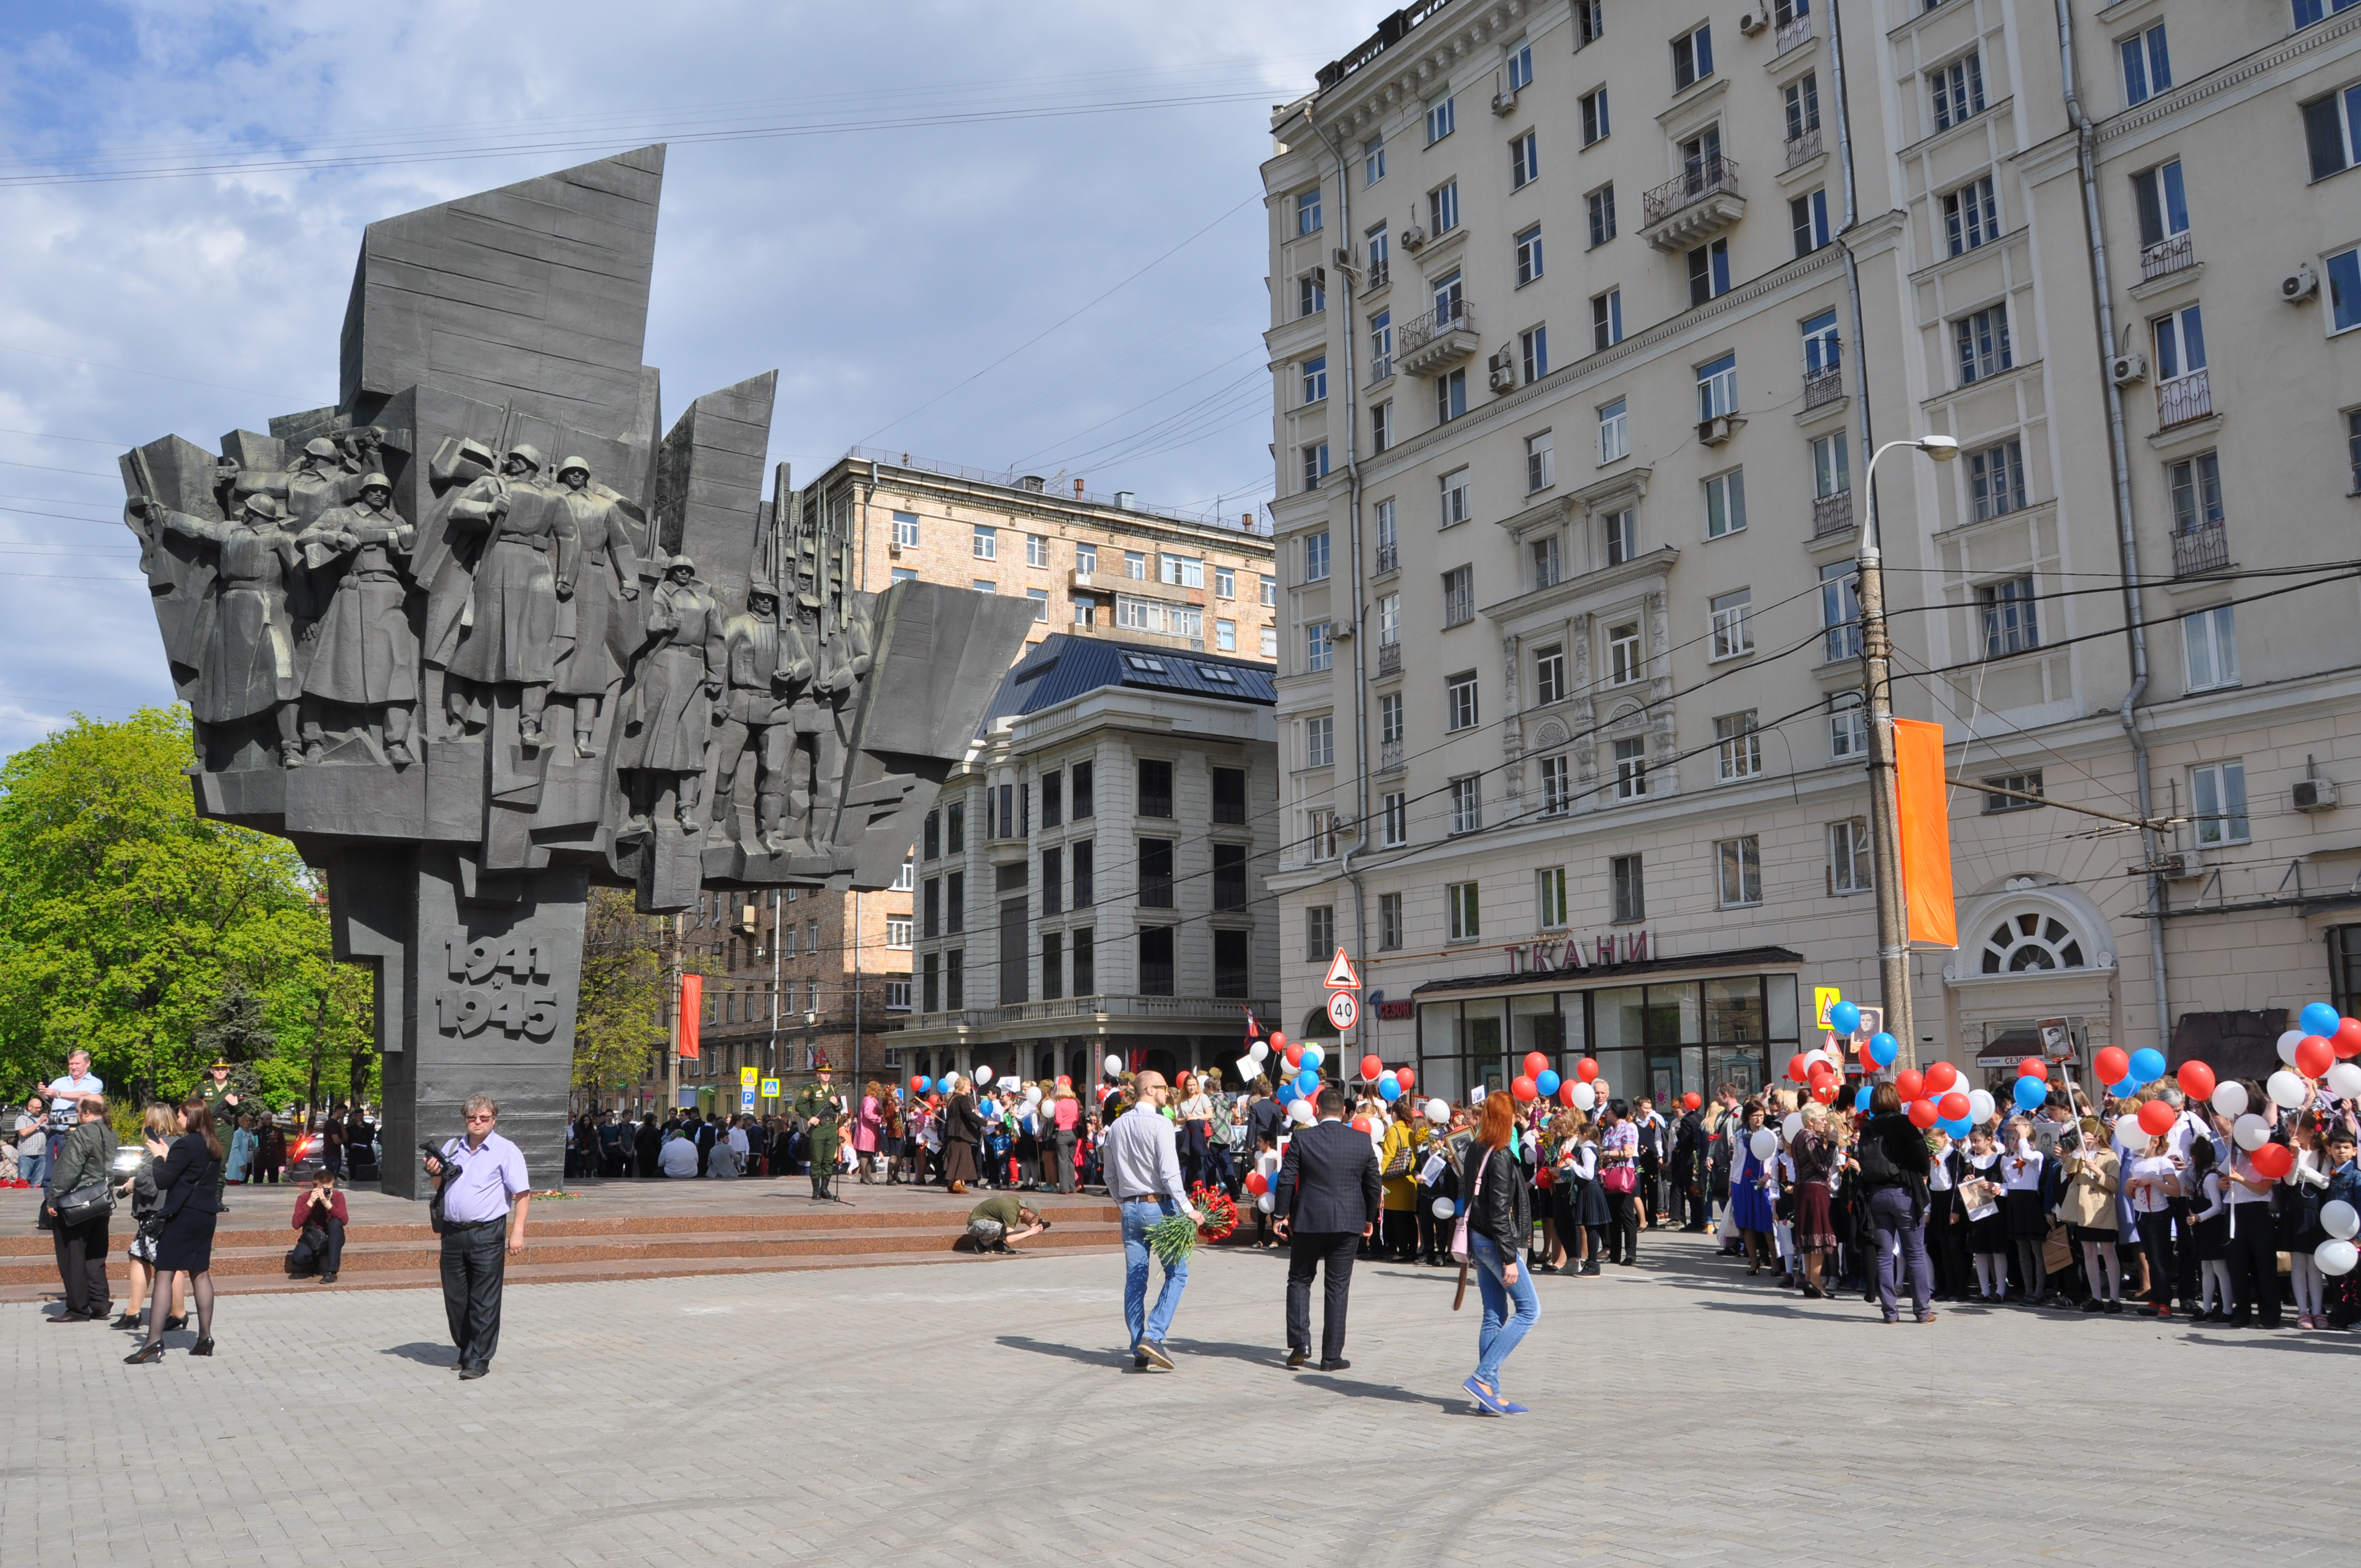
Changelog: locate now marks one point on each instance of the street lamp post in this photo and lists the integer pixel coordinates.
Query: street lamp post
(1877, 679)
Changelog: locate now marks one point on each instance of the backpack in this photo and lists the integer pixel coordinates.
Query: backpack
(1877, 1166)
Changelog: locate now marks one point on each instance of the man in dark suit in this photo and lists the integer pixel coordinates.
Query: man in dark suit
(1329, 1194)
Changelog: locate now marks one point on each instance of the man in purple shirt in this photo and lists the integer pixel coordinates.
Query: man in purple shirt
(481, 1174)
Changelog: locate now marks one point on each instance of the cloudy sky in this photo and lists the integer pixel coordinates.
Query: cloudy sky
(897, 205)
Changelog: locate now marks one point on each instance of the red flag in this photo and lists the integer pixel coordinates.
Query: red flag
(692, 1014)
(1254, 1030)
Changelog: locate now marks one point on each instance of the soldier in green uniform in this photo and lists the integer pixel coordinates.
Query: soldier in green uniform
(827, 1140)
(224, 1102)
(815, 1099)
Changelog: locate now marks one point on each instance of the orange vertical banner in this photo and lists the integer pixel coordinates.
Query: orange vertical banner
(692, 1009)
(1922, 810)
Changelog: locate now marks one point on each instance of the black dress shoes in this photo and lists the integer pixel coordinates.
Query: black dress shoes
(1296, 1358)
(1337, 1365)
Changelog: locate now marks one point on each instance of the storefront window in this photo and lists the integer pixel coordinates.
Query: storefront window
(1662, 1040)
(2344, 967)
(1733, 1010)
(1534, 1026)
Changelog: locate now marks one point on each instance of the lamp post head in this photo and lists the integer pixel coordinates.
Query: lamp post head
(1941, 448)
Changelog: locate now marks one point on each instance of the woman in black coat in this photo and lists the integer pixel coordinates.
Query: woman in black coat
(189, 1181)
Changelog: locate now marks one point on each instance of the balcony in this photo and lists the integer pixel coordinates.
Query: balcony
(2166, 257)
(1803, 147)
(1692, 209)
(1794, 34)
(1141, 587)
(1389, 659)
(1832, 514)
(1823, 387)
(1437, 340)
(2200, 550)
(1388, 558)
(1390, 756)
(2183, 399)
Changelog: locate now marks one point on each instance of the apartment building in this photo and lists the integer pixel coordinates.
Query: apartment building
(1092, 881)
(802, 977)
(1585, 319)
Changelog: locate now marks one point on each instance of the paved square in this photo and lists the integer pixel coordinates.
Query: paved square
(981, 1413)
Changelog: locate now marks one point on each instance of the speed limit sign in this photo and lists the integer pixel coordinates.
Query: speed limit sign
(1343, 1009)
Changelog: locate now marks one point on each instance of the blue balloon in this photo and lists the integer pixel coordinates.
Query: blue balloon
(1307, 1083)
(1844, 1017)
(2319, 1018)
(1546, 1083)
(1389, 1090)
(1285, 1093)
(1957, 1129)
(1312, 1057)
(2147, 1065)
(1861, 1100)
(2125, 1090)
(2031, 1093)
(1882, 1048)
(926, 1086)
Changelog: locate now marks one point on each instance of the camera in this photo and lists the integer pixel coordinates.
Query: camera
(433, 1151)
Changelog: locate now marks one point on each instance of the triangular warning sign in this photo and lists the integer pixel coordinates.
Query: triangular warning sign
(1342, 975)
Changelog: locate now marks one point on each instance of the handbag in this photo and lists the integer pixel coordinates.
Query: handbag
(91, 1201)
(1459, 1231)
(1400, 1164)
(1619, 1178)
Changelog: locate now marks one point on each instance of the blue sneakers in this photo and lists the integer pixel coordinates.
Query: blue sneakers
(1490, 1402)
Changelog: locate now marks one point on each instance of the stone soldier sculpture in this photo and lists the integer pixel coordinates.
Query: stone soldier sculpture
(670, 721)
(598, 629)
(511, 617)
(247, 664)
(322, 479)
(767, 669)
(365, 656)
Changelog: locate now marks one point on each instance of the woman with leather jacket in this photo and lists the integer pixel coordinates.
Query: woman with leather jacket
(1499, 1220)
(158, 1128)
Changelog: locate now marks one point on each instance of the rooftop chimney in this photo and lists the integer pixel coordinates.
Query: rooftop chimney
(1246, 523)
(1078, 490)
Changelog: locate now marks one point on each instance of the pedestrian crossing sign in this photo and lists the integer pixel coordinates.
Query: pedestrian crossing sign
(769, 1088)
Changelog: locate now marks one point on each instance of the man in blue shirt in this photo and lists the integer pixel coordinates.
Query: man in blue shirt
(482, 1174)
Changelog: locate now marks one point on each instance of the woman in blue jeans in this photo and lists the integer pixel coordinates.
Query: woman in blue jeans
(1499, 1219)
(1892, 1163)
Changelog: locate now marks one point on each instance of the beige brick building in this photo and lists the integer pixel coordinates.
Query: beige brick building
(1572, 305)
(789, 972)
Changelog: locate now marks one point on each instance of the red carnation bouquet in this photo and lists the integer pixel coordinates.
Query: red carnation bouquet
(1219, 1210)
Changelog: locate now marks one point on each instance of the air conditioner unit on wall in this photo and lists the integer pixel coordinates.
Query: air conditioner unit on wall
(1752, 22)
(1412, 237)
(2316, 794)
(1501, 368)
(2127, 369)
(1715, 431)
(2300, 285)
(1504, 102)
(2177, 867)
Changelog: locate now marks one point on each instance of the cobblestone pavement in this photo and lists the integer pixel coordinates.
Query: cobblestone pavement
(983, 1413)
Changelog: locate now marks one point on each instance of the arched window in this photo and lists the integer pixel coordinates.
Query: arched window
(2032, 939)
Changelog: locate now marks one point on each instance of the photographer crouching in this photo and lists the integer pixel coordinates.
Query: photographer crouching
(319, 1249)
(479, 1177)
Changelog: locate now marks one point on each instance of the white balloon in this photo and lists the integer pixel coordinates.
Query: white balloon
(984, 1075)
(1981, 1104)
(1300, 1113)
(1586, 1098)
(2340, 1219)
(1792, 1125)
(1764, 1143)
(2287, 1089)
(1261, 1049)
(2230, 1098)
(2250, 1132)
(1264, 1203)
(1032, 1094)
(1388, 1077)
(1445, 1208)
(2288, 1043)
(2336, 1256)
(1439, 1111)
(1114, 1065)
(2345, 1081)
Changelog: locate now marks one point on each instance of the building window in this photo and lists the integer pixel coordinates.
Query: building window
(1808, 216)
(1086, 558)
(2209, 641)
(1315, 378)
(898, 996)
(1225, 582)
(1629, 894)
(1390, 921)
(1607, 319)
(1457, 500)
(2022, 783)
(1442, 208)
(1737, 746)
(931, 906)
(1082, 803)
(983, 585)
(1450, 396)
(2006, 608)
(2307, 12)
(1225, 636)
(1997, 479)
(1543, 553)
(1717, 384)
(1983, 342)
(1319, 933)
(2148, 69)
(1520, 65)
(1440, 121)
(1320, 742)
(905, 530)
(931, 836)
(2329, 131)
(1156, 872)
(1594, 116)
(1840, 610)
(897, 930)
(1084, 941)
(1732, 623)
(1155, 787)
(908, 877)
(1373, 161)
(1589, 22)
(1848, 859)
(1623, 661)
(1549, 674)
(954, 979)
(1725, 504)
(1310, 296)
(2217, 794)
(1831, 466)
(1380, 268)
(1270, 642)
(1053, 965)
(930, 984)
(2163, 203)
(1971, 216)
(1390, 725)
(1692, 58)
(1037, 550)
(1550, 888)
(1053, 882)
(1823, 345)
(1316, 465)
(1539, 473)
(1270, 593)
(1229, 795)
(1229, 876)
(1315, 557)
(1388, 619)
(1738, 879)
(1156, 960)
(1458, 596)
(1381, 346)
(906, 574)
(1524, 162)
(1468, 804)
(1085, 885)
(1847, 726)
(1466, 912)
(1630, 767)
(1957, 89)
(1557, 787)
(987, 543)
(1459, 701)
(1620, 530)
(2180, 342)
(1614, 431)
(1394, 831)
(1040, 598)
(1533, 345)
(1381, 427)
(1307, 210)
(955, 828)
(1233, 974)
(1708, 271)
(1803, 97)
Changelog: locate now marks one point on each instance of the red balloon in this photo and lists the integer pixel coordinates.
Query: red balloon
(2314, 1055)
(1909, 1084)
(2196, 1081)
(2034, 1067)
(2113, 1063)
(1536, 1064)
(1824, 1089)
(1258, 1183)
(2346, 1041)
(1692, 1100)
(1370, 1067)
(1922, 1113)
(917, 1084)
(1294, 1054)
(1940, 1077)
(1586, 1070)
(1278, 1041)
(1565, 1095)
(1523, 1088)
(2273, 1160)
(1064, 1081)
(2157, 1117)
(1796, 1069)
(1952, 1106)
(1361, 1126)
(1406, 1079)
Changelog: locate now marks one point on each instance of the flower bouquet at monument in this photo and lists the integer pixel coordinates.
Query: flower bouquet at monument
(1175, 1237)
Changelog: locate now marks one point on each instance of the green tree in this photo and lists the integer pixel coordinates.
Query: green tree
(618, 1017)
